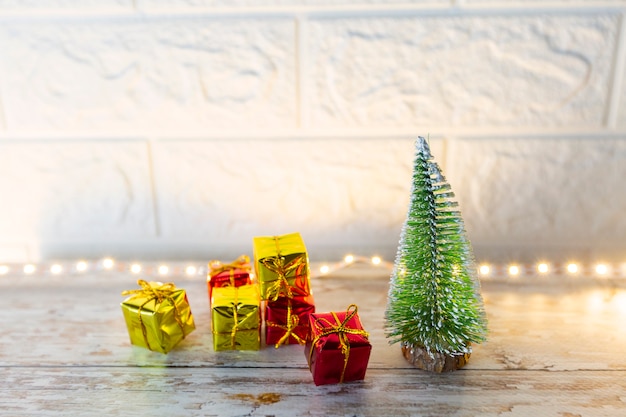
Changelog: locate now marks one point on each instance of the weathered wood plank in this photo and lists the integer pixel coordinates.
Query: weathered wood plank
(78, 321)
(553, 350)
(288, 392)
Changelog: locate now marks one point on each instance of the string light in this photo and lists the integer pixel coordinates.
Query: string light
(108, 263)
(485, 271)
(602, 269)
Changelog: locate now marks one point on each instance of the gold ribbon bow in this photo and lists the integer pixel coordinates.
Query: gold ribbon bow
(158, 292)
(216, 267)
(342, 331)
(277, 265)
(289, 327)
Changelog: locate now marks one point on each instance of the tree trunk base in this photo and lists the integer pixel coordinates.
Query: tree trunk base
(438, 362)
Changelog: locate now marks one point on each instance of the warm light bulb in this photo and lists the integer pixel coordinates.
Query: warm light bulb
(56, 269)
(135, 268)
(324, 269)
(376, 260)
(4, 269)
(572, 268)
(191, 270)
(602, 269)
(81, 266)
(514, 270)
(542, 268)
(29, 269)
(348, 259)
(484, 270)
(164, 270)
(108, 263)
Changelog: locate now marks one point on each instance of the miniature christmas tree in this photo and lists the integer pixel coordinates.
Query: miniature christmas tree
(434, 309)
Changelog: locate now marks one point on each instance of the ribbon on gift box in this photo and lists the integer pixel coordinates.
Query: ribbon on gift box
(217, 267)
(277, 265)
(289, 327)
(159, 292)
(233, 331)
(326, 327)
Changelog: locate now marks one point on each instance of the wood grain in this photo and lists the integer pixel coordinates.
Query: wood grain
(554, 349)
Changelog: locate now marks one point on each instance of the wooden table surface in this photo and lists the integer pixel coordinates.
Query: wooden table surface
(556, 348)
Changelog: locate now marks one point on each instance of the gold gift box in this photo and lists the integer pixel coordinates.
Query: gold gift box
(157, 316)
(235, 318)
(281, 264)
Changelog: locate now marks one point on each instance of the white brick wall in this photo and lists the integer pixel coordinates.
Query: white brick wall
(183, 128)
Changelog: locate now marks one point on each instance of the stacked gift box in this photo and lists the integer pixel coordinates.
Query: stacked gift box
(235, 306)
(282, 269)
(234, 274)
(337, 349)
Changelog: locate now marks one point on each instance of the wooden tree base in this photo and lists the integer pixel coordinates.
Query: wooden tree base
(438, 362)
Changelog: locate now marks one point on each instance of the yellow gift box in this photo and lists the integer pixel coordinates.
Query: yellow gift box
(236, 318)
(157, 316)
(281, 264)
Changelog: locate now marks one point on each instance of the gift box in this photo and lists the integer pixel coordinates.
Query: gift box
(282, 266)
(234, 274)
(338, 350)
(287, 320)
(157, 316)
(235, 318)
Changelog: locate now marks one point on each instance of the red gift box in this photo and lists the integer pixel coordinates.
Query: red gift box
(338, 350)
(234, 274)
(287, 320)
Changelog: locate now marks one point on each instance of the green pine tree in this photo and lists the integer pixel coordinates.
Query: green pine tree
(434, 295)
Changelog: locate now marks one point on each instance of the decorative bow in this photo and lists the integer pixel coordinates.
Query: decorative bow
(289, 327)
(276, 264)
(326, 327)
(216, 267)
(280, 286)
(152, 290)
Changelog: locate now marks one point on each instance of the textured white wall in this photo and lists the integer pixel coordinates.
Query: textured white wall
(181, 129)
